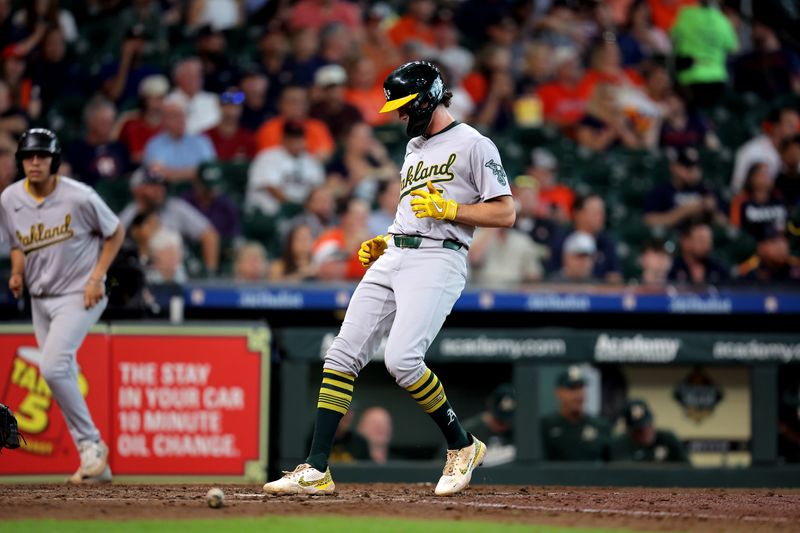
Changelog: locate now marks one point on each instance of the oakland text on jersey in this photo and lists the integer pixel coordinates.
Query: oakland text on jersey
(421, 173)
(41, 237)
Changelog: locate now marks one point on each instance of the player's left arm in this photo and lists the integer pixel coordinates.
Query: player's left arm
(95, 287)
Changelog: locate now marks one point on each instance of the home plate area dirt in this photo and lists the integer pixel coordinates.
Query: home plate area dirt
(634, 508)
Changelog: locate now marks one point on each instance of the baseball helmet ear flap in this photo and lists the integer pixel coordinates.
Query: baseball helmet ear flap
(39, 141)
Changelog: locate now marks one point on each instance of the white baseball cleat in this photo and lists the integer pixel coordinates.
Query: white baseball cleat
(94, 458)
(459, 466)
(305, 479)
(79, 479)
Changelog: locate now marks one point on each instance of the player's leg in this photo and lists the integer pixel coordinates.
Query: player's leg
(368, 317)
(69, 324)
(426, 293)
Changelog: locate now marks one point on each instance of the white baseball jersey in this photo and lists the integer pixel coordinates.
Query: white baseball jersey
(461, 162)
(60, 235)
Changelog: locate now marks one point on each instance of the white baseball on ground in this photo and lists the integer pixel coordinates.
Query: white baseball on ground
(215, 497)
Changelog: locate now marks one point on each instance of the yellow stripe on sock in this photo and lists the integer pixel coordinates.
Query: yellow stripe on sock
(433, 398)
(420, 382)
(331, 407)
(423, 393)
(438, 404)
(336, 393)
(340, 374)
(336, 383)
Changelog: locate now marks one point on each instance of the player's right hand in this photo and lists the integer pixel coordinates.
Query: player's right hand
(15, 285)
(372, 249)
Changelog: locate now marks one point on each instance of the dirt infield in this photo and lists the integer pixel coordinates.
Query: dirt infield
(644, 509)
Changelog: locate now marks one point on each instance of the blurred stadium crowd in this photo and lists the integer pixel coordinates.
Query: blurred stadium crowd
(648, 141)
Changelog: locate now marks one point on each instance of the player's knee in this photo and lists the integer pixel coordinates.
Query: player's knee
(54, 370)
(342, 357)
(403, 369)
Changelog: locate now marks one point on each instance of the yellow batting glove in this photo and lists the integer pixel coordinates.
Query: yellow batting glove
(372, 249)
(431, 203)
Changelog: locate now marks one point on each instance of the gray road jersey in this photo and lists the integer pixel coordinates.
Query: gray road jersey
(61, 236)
(462, 162)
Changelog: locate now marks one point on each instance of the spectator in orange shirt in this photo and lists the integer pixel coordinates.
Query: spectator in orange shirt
(336, 251)
(415, 25)
(563, 101)
(376, 43)
(555, 198)
(365, 92)
(606, 67)
(293, 106)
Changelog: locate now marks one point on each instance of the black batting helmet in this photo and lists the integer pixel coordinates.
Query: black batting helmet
(39, 141)
(419, 86)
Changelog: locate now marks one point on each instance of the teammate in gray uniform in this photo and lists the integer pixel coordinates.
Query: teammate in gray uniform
(63, 239)
(452, 180)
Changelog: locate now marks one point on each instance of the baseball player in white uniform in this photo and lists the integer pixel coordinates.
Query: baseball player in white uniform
(452, 180)
(63, 239)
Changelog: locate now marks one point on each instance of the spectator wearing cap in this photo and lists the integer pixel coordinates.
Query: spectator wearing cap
(788, 180)
(590, 219)
(175, 153)
(655, 262)
(642, 442)
(328, 102)
(772, 262)
(98, 157)
(136, 127)
(284, 174)
(505, 257)
(779, 125)
(202, 107)
(293, 107)
(231, 141)
(214, 204)
(577, 259)
(759, 204)
(695, 263)
(150, 195)
(571, 434)
(219, 73)
(563, 99)
(495, 425)
(254, 108)
(556, 199)
(685, 196)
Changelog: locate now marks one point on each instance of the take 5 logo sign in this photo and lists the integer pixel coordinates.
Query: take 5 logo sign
(49, 448)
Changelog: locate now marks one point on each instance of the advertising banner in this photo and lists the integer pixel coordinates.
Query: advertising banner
(577, 345)
(49, 448)
(189, 401)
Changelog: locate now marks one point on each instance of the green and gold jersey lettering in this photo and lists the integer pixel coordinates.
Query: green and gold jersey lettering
(459, 161)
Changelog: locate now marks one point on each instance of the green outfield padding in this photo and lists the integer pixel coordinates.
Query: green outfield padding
(312, 524)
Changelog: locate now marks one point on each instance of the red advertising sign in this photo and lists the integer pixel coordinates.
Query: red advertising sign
(50, 448)
(188, 402)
